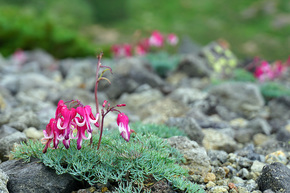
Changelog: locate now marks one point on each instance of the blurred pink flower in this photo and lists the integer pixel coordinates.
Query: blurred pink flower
(124, 50)
(264, 72)
(143, 47)
(156, 39)
(172, 39)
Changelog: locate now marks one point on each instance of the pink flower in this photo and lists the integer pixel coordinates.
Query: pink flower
(124, 128)
(81, 134)
(156, 39)
(143, 47)
(66, 121)
(87, 117)
(264, 72)
(53, 134)
(172, 39)
(278, 69)
(124, 50)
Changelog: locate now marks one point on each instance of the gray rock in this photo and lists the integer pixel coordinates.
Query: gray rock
(219, 173)
(257, 166)
(259, 125)
(244, 162)
(16, 82)
(194, 66)
(197, 160)
(276, 177)
(6, 130)
(136, 101)
(188, 95)
(242, 98)
(249, 152)
(35, 177)
(129, 73)
(283, 135)
(243, 173)
(7, 142)
(214, 139)
(217, 157)
(42, 58)
(189, 126)
(30, 119)
(3, 182)
(279, 108)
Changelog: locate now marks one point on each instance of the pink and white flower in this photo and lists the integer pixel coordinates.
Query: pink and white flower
(124, 128)
(172, 39)
(156, 39)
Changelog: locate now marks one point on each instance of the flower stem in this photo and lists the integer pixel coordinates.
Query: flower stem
(101, 132)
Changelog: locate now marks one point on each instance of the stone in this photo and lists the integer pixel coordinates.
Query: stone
(137, 101)
(197, 161)
(250, 152)
(3, 182)
(219, 189)
(242, 98)
(276, 177)
(161, 110)
(209, 177)
(29, 119)
(7, 142)
(257, 166)
(278, 156)
(188, 95)
(259, 125)
(243, 173)
(219, 172)
(193, 66)
(260, 138)
(213, 139)
(217, 157)
(189, 126)
(283, 134)
(35, 177)
(33, 133)
(279, 108)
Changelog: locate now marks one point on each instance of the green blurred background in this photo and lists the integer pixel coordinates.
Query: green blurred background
(77, 28)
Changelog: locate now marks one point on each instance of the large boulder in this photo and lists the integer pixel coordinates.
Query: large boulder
(276, 177)
(35, 177)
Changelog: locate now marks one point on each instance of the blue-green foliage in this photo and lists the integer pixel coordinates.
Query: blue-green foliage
(162, 131)
(144, 156)
(242, 75)
(162, 62)
(272, 90)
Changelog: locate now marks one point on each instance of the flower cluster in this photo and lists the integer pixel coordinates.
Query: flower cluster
(144, 46)
(264, 71)
(73, 120)
(68, 120)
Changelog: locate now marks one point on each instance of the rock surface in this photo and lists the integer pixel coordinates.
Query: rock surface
(35, 177)
(276, 177)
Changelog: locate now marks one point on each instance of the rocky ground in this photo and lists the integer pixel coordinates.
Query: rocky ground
(237, 141)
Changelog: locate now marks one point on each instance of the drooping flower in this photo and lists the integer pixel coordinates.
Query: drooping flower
(53, 134)
(66, 122)
(81, 134)
(156, 39)
(124, 128)
(172, 39)
(87, 117)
